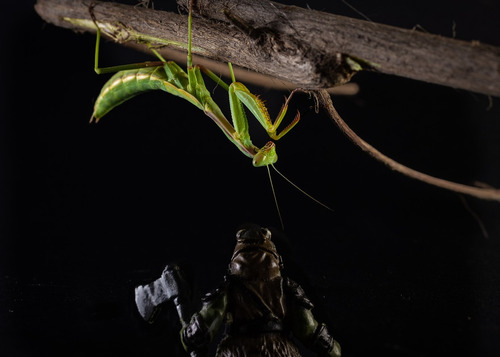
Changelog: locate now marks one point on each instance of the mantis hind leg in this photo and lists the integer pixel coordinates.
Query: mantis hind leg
(114, 69)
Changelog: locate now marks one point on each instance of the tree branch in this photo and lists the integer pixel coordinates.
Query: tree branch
(309, 48)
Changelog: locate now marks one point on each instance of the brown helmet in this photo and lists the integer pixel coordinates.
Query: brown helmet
(255, 256)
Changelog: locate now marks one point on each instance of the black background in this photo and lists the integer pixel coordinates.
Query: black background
(90, 211)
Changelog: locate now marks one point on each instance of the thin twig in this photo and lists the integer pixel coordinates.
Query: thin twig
(479, 192)
(476, 217)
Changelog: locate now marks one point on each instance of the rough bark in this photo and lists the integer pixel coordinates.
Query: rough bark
(306, 47)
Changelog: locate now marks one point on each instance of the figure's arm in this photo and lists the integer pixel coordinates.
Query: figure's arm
(305, 327)
(205, 324)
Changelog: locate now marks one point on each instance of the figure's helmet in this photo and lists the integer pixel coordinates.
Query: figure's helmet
(255, 256)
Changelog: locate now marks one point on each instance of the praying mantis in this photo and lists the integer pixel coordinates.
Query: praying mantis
(134, 79)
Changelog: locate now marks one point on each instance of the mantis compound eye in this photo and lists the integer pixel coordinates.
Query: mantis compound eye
(265, 156)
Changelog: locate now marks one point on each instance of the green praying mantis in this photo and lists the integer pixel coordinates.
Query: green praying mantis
(134, 79)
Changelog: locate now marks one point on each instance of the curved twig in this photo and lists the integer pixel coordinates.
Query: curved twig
(479, 192)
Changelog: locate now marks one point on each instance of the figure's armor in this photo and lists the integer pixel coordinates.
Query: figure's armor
(261, 308)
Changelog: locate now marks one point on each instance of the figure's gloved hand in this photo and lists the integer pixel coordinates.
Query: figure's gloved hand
(324, 344)
(195, 337)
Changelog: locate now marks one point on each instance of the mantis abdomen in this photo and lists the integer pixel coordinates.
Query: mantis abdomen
(125, 85)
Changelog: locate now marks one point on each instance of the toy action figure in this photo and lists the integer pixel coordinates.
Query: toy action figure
(261, 308)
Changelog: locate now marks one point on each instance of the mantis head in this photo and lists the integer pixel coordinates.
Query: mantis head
(266, 155)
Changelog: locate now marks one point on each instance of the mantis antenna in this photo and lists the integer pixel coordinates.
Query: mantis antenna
(301, 190)
(296, 187)
(275, 198)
